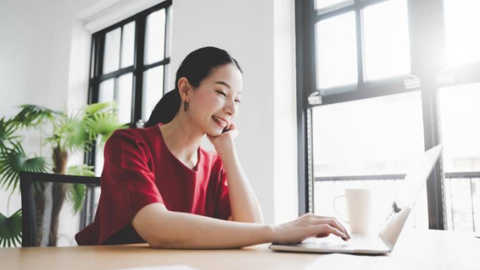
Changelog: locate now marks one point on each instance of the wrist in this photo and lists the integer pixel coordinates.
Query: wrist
(269, 232)
(225, 147)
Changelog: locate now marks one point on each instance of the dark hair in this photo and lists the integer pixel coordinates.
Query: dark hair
(195, 67)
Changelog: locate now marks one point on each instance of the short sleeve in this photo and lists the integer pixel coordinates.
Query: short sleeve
(128, 183)
(223, 202)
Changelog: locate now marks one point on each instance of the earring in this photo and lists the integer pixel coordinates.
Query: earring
(185, 105)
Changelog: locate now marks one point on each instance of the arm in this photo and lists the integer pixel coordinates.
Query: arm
(243, 202)
(165, 229)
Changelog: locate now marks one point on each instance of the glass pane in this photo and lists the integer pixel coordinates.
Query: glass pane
(319, 4)
(152, 90)
(92, 62)
(461, 26)
(352, 139)
(460, 118)
(155, 37)
(99, 160)
(111, 58)
(106, 94)
(124, 98)
(387, 43)
(107, 90)
(128, 44)
(336, 51)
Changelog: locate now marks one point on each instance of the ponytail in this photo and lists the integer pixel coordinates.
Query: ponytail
(165, 110)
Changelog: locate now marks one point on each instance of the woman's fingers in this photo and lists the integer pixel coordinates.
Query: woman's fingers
(231, 126)
(325, 230)
(309, 225)
(334, 223)
(339, 226)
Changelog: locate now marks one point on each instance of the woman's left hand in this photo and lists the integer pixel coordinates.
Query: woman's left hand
(225, 139)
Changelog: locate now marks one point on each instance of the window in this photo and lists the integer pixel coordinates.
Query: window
(377, 84)
(129, 65)
(460, 122)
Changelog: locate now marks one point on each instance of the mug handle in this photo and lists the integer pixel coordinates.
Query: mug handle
(335, 207)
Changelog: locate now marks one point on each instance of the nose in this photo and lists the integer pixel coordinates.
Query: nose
(231, 107)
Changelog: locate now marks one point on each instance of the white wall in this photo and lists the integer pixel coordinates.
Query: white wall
(35, 52)
(45, 61)
(224, 24)
(285, 132)
(260, 35)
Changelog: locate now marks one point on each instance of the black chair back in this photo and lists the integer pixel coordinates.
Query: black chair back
(55, 207)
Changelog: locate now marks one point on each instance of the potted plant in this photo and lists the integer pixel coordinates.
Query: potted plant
(69, 133)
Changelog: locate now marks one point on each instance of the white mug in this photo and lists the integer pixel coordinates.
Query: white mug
(359, 204)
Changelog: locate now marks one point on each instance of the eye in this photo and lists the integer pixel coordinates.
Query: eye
(237, 101)
(221, 93)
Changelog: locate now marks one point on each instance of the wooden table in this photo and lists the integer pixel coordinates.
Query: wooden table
(430, 245)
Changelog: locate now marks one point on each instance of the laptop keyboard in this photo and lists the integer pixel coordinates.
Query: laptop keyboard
(356, 241)
(364, 239)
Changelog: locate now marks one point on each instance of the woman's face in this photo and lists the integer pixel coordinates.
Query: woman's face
(215, 102)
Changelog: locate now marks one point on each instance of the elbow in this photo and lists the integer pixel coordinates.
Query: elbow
(160, 243)
(169, 240)
(155, 243)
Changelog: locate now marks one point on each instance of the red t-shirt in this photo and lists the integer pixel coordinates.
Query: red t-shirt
(140, 170)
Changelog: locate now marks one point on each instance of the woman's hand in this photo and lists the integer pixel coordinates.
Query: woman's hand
(308, 225)
(224, 140)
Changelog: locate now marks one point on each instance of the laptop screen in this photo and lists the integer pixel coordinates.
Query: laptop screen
(415, 180)
(407, 195)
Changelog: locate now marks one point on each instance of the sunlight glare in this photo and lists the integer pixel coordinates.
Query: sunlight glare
(462, 34)
(387, 43)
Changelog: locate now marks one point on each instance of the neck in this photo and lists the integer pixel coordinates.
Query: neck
(182, 139)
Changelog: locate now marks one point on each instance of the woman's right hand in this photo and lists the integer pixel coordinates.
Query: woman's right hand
(308, 225)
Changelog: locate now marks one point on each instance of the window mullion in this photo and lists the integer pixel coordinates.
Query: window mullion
(166, 48)
(140, 25)
(427, 60)
(305, 70)
(101, 52)
(89, 156)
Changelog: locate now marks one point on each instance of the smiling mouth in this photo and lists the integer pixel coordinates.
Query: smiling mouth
(219, 121)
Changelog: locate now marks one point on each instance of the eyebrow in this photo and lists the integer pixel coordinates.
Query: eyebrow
(226, 85)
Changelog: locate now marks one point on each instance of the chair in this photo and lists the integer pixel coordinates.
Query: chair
(55, 207)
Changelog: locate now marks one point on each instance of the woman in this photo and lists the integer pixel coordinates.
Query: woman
(160, 187)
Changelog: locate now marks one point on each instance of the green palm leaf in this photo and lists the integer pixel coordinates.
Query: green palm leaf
(11, 230)
(98, 107)
(81, 170)
(102, 124)
(7, 128)
(13, 161)
(76, 194)
(33, 116)
(70, 133)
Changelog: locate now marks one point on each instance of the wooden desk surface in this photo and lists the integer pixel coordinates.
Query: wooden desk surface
(430, 245)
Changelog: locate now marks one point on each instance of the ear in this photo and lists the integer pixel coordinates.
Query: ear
(184, 88)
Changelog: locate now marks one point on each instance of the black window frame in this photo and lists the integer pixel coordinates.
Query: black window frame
(96, 76)
(138, 67)
(427, 66)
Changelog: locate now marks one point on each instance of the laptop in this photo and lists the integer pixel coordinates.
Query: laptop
(385, 241)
